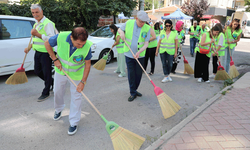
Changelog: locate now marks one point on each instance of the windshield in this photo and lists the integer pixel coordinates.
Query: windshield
(248, 22)
(103, 32)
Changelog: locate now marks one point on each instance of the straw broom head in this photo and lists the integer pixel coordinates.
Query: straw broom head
(123, 139)
(188, 69)
(100, 65)
(221, 75)
(233, 72)
(17, 78)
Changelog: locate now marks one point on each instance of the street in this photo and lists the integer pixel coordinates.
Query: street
(28, 124)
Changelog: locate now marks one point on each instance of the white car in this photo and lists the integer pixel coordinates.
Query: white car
(14, 38)
(103, 39)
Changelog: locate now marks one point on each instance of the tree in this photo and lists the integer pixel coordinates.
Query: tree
(195, 9)
(247, 3)
(149, 4)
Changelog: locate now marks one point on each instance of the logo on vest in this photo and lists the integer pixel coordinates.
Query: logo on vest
(78, 59)
(162, 36)
(40, 27)
(234, 35)
(144, 35)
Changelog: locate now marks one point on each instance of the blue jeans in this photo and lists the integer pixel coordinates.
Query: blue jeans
(167, 62)
(227, 57)
(134, 74)
(193, 42)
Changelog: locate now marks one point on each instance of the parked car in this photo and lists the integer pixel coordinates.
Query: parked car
(14, 38)
(103, 39)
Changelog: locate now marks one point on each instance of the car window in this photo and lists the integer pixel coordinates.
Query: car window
(103, 32)
(12, 29)
(248, 23)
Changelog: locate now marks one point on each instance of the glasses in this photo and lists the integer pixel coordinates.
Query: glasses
(238, 20)
(168, 25)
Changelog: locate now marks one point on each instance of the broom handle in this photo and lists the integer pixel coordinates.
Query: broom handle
(26, 53)
(213, 50)
(137, 61)
(229, 47)
(83, 94)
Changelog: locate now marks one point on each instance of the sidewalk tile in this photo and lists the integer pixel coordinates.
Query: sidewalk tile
(231, 117)
(187, 146)
(199, 133)
(243, 140)
(208, 117)
(209, 123)
(231, 144)
(186, 137)
(246, 126)
(221, 120)
(238, 131)
(216, 109)
(212, 130)
(223, 126)
(175, 140)
(218, 114)
(169, 147)
(244, 121)
(201, 142)
(228, 136)
(199, 126)
(215, 146)
(214, 138)
(235, 124)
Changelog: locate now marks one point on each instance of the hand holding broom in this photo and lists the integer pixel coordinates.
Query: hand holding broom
(122, 139)
(168, 106)
(19, 77)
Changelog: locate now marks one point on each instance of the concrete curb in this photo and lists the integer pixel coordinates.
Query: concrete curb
(163, 139)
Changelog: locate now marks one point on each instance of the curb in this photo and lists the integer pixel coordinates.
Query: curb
(163, 139)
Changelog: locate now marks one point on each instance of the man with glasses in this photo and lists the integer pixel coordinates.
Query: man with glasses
(194, 32)
(137, 36)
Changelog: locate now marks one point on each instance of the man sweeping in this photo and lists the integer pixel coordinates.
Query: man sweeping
(74, 57)
(137, 36)
(43, 29)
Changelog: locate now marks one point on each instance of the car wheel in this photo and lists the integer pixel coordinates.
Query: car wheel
(105, 52)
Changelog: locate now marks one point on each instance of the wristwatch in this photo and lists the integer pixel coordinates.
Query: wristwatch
(55, 60)
(84, 82)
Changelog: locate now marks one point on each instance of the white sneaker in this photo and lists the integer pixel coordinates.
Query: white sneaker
(199, 80)
(169, 79)
(165, 79)
(116, 71)
(120, 76)
(212, 76)
(207, 81)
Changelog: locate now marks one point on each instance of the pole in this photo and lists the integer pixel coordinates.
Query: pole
(153, 7)
(142, 5)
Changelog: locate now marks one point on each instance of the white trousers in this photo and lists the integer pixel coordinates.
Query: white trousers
(76, 100)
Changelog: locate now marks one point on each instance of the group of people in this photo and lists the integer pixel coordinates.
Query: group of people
(135, 41)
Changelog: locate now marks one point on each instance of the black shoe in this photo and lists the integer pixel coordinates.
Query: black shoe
(192, 55)
(72, 130)
(57, 116)
(42, 98)
(131, 98)
(173, 72)
(138, 94)
(52, 86)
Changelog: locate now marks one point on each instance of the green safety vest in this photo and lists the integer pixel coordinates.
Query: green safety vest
(73, 65)
(180, 36)
(221, 52)
(153, 43)
(231, 37)
(195, 31)
(202, 31)
(38, 44)
(120, 46)
(208, 39)
(157, 33)
(129, 34)
(167, 45)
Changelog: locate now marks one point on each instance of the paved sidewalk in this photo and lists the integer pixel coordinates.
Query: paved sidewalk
(221, 123)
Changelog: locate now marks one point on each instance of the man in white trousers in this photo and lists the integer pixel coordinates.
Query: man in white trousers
(74, 57)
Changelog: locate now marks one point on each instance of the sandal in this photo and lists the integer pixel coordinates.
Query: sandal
(150, 73)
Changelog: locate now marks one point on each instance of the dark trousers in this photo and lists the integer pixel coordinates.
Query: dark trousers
(43, 68)
(134, 74)
(150, 53)
(201, 66)
(193, 42)
(174, 67)
(215, 64)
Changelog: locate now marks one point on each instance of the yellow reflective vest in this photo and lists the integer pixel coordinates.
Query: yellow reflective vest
(168, 45)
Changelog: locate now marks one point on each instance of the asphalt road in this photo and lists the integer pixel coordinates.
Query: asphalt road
(28, 124)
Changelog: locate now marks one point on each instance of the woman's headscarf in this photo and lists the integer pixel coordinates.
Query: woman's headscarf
(178, 25)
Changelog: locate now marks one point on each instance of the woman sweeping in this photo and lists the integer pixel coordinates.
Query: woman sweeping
(181, 34)
(119, 47)
(150, 51)
(233, 34)
(168, 45)
(203, 55)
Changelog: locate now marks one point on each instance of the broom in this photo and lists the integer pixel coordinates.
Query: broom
(100, 65)
(221, 74)
(121, 138)
(187, 68)
(19, 77)
(168, 106)
(233, 72)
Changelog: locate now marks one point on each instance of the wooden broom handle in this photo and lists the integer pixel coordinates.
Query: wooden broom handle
(28, 46)
(228, 45)
(137, 61)
(82, 93)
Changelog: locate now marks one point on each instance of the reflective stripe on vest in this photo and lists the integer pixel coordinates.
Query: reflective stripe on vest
(229, 36)
(195, 32)
(168, 45)
(129, 34)
(38, 44)
(74, 64)
(120, 45)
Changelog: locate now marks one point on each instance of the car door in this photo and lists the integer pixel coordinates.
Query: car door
(14, 38)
